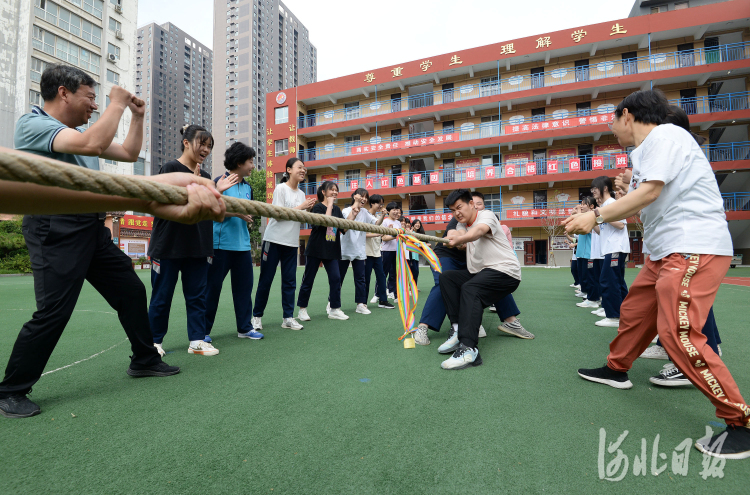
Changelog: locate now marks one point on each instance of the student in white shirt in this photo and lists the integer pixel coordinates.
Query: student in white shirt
(280, 244)
(353, 247)
(615, 247)
(388, 248)
(687, 234)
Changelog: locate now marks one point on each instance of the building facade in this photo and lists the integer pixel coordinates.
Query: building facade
(523, 121)
(94, 35)
(266, 48)
(174, 74)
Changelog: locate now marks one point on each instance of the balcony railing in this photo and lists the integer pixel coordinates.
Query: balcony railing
(550, 78)
(738, 201)
(480, 172)
(469, 131)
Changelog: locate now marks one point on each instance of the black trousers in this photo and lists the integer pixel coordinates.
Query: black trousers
(65, 250)
(466, 295)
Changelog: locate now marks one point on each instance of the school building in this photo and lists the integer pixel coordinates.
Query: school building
(524, 121)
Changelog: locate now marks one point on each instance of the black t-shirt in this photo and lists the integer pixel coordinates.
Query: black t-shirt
(325, 242)
(176, 240)
(443, 251)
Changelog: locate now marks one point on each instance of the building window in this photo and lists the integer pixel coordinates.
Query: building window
(282, 147)
(660, 8)
(282, 115)
(114, 26)
(35, 98)
(113, 77)
(681, 5)
(37, 68)
(68, 21)
(113, 50)
(93, 7)
(64, 50)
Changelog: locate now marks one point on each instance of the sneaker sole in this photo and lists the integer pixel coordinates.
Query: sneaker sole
(245, 336)
(304, 319)
(448, 351)
(664, 358)
(386, 307)
(620, 385)
(332, 317)
(670, 383)
(737, 456)
(145, 373)
(11, 415)
(477, 362)
(503, 329)
(363, 313)
(421, 343)
(290, 328)
(606, 325)
(203, 353)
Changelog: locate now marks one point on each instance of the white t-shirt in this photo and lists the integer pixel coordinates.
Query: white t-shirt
(614, 240)
(688, 216)
(353, 241)
(372, 246)
(492, 250)
(391, 245)
(596, 246)
(284, 232)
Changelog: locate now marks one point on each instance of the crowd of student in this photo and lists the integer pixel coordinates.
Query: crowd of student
(671, 187)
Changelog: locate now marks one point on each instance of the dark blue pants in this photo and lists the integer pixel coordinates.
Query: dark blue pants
(574, 271)
(389, 267)
(710, 330)
(414, 268)
(358, 267)
(612, 282)
(433, 312)
(241, 265)
(273, 254)
(583, 275)
(506, 307)
(308, 279)
(593, 272)
(375, 263)
(164, 273)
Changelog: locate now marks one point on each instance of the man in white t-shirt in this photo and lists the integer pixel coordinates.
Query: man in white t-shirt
(492, 272)
(687, 235)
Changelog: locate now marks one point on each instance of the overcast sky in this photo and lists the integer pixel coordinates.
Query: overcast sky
(352, 37)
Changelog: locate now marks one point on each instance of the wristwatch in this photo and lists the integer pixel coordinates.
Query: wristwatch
(599, 218)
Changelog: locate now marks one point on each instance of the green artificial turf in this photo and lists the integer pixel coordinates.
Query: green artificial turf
(342, 407)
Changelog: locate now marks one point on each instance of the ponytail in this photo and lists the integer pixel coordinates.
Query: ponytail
(289, 165)
(192, 133)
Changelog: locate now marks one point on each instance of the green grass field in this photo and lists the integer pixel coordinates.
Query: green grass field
(342, 407)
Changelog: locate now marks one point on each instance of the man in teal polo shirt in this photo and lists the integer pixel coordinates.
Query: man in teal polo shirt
(232, 249)
(65, 250)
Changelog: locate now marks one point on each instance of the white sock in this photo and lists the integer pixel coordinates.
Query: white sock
(455, 327)
(194, 343)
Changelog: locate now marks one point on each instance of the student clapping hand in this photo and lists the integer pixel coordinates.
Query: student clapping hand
(226, 182)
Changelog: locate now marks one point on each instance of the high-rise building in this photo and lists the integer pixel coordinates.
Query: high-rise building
(173, 75)
(524, 121)
(94, 35)
(266, 48)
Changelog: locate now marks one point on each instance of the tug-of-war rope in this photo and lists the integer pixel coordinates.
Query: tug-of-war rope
(48, 172)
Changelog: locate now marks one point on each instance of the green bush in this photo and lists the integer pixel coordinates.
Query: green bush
(18, 263)
(14, 257)
(257, 181)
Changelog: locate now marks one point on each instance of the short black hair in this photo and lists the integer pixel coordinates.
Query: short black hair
(237, 154)
(324, 187)
(406, 220)
(459, 194)
(391, 206)
(376, 199)
(477, 194)
(362, 192)
(57, 75)
(589, 201)
(600, 183)
(647, 107)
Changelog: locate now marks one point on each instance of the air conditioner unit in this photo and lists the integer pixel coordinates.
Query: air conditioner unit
(118, 35)
(112, 57)
(118, 9)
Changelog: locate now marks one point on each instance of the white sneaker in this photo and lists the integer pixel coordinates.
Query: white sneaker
(291, 323)
(587, 304)
(420, 336)
(719, 347)
(337, 314)
(451, 344)
(160, 350)
(302, 314)
(655, 339)
(582, 295)
(576, 286)
(463, 357)
(374, 299)
(202, 348)
(482, 333)
(257, 324)
(362, 309)
(608, 322)
(328, 308)
(391, 295)
(599, 312)
(655, 352)
(493, 309)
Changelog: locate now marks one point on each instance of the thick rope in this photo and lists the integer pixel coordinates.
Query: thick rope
(22, 167)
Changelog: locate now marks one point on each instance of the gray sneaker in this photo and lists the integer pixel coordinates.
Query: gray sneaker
(516, 329)
(420, 336)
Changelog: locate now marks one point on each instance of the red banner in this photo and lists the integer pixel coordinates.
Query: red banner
(558, 124)
(416, 180)
(621, 161)
(434, 177)
(385, 182)
(369, 184)
(551, 166)
(530, 168)
(574, 164)
(597, 163)
(400, 181)
(541, 212)
(136, 222)
(439, 217)
(353, 184)
(510, 171)
(409, 143)
(489, 173)
(471, 174)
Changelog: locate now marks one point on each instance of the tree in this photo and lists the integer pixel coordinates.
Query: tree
(257, 181)
(552, 225)
(14, 257)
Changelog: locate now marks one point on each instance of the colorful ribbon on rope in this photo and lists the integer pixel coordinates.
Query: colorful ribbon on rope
(406, 287)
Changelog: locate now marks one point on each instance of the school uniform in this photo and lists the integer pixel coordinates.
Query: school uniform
(388, 249)
(615, 246)
(583, 253)
(374, 262)
(232, 252)
(323, 247)
(184, 251)
(353, 251)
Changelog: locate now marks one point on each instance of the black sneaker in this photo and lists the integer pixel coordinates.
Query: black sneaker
(18, 406)
(161, 369)
(732, 443)
(670, 376)
(607, 376)
(385, 304)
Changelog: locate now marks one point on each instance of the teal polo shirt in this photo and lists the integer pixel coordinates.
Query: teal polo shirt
(232, 234)
(35, 133)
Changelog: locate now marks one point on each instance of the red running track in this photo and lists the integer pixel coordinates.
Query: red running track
(743, 281)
